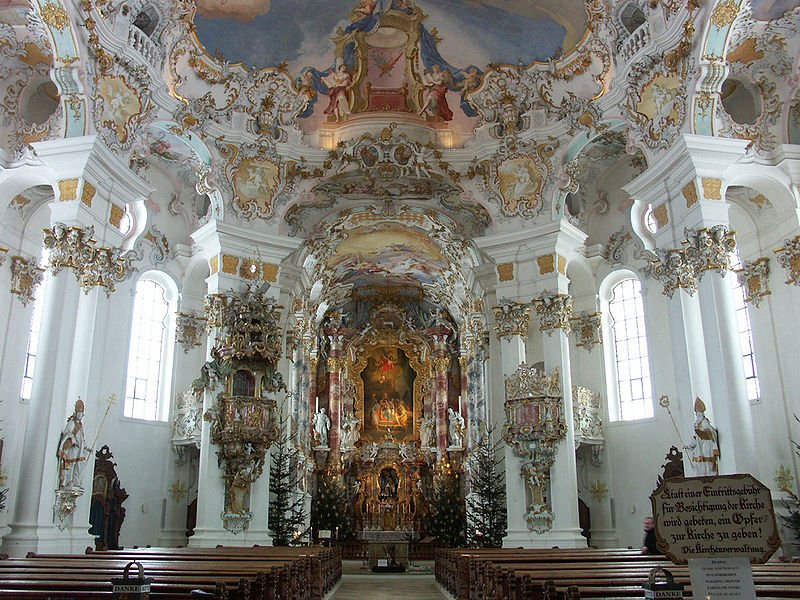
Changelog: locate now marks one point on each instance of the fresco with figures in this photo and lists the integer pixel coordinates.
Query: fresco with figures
(419, 58)
(390, 252)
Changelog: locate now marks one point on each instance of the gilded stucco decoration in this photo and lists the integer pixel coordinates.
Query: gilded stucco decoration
(511, 318)
(709, 249)
(118, 107)
(760, 66)
(26, 275)
(534, 427)
(188, 419)
(588, 420)
(517, 176)
(657, 101)
(753, 276)
(588, 330)
(25, 63)
(189, 330)
(246, 350)
(254, 176)
(788, 256)
(75, 248)
(671, 268)
(554, 311)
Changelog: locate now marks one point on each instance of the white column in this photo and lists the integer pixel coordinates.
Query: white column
(730, 408)
(566, 530)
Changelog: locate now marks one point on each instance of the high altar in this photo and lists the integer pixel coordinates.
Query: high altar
(393, 393)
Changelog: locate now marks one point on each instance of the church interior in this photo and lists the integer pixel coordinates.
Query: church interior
(317, 248)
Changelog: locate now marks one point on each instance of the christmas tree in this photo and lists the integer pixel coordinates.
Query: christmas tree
(486, 502)
(287, 514)
(329, 507)
(447, 515)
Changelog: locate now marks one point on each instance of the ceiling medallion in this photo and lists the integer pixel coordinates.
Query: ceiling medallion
(725, 13)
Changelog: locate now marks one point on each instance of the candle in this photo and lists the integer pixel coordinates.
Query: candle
(460, 408)
(317, 408)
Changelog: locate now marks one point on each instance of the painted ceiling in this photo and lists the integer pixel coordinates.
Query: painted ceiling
(264, 33)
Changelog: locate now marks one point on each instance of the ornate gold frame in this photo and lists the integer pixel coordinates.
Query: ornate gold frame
(386, 339)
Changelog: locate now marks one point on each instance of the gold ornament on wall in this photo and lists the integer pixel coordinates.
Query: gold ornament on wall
(178, 491)
(74, 248)
(784, 479)
(26, 275)
(788, 256)
(754, 279)
(598, 491)
(554, 311)
(511, 318)
(588, 329)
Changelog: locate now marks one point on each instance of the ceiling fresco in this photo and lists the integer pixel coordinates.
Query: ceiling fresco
(419, 58)
(768, 10)
(391, 253)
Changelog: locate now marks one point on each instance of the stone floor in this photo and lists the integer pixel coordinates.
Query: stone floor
(361, 584)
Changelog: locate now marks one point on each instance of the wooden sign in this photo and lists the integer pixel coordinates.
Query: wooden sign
(713, 517)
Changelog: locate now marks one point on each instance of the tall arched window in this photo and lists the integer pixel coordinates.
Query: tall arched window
(745, 334)
(33, 339)
(150, 352)
(628, 353)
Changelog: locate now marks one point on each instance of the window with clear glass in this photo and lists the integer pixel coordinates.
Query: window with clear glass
(148, 351)
(33, 341)
(634, 390)
(745, 334)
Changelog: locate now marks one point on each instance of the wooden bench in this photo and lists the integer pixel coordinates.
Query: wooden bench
(262, 573)
(533, 574)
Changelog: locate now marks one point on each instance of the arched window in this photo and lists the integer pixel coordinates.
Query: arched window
(33, 339)
(745, 334)
(627, 353)
(150, 352)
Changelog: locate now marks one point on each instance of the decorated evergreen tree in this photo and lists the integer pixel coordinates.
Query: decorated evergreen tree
(329, 507)
(486, 502)
(287, 514)
(447, 514)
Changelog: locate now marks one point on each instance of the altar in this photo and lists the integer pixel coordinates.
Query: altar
(387, 549)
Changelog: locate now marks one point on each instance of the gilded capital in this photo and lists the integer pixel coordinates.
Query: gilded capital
(672, 269)
(554, 311)
(511, 318)
(75, 248)
(709, 249)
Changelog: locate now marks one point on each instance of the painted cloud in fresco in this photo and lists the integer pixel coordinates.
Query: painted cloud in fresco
(300, 31)
(239, 10)
(769, 10)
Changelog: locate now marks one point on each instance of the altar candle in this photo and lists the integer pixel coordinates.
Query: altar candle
(317, 409)
(460, 408)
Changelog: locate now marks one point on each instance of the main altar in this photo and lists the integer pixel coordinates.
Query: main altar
(389, 402)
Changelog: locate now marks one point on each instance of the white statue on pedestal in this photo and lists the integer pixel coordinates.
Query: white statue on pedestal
(705, 444)
(428, 432)
(350, 433)
(456, 428)
(322, 424)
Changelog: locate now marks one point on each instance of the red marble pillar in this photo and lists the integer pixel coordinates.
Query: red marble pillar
(441, 366)
(335, 391)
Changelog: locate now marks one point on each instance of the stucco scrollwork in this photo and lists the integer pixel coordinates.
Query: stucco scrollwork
(709, 249)
(754, 278)
(554, 311)
(26, 276)
(588, 329)
(788, 256)
(511, 318)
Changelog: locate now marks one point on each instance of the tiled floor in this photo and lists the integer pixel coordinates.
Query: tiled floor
(386, 587)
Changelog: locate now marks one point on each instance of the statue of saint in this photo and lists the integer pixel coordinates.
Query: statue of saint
(428, 432)
(71, 451)
(322, 424)
(350, 433)
(456, 428)
(705, 444)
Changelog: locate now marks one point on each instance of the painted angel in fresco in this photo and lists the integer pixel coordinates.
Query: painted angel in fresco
(435, 99)
(339, 83)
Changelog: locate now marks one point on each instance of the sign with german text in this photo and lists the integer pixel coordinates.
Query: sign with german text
(713, 517)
